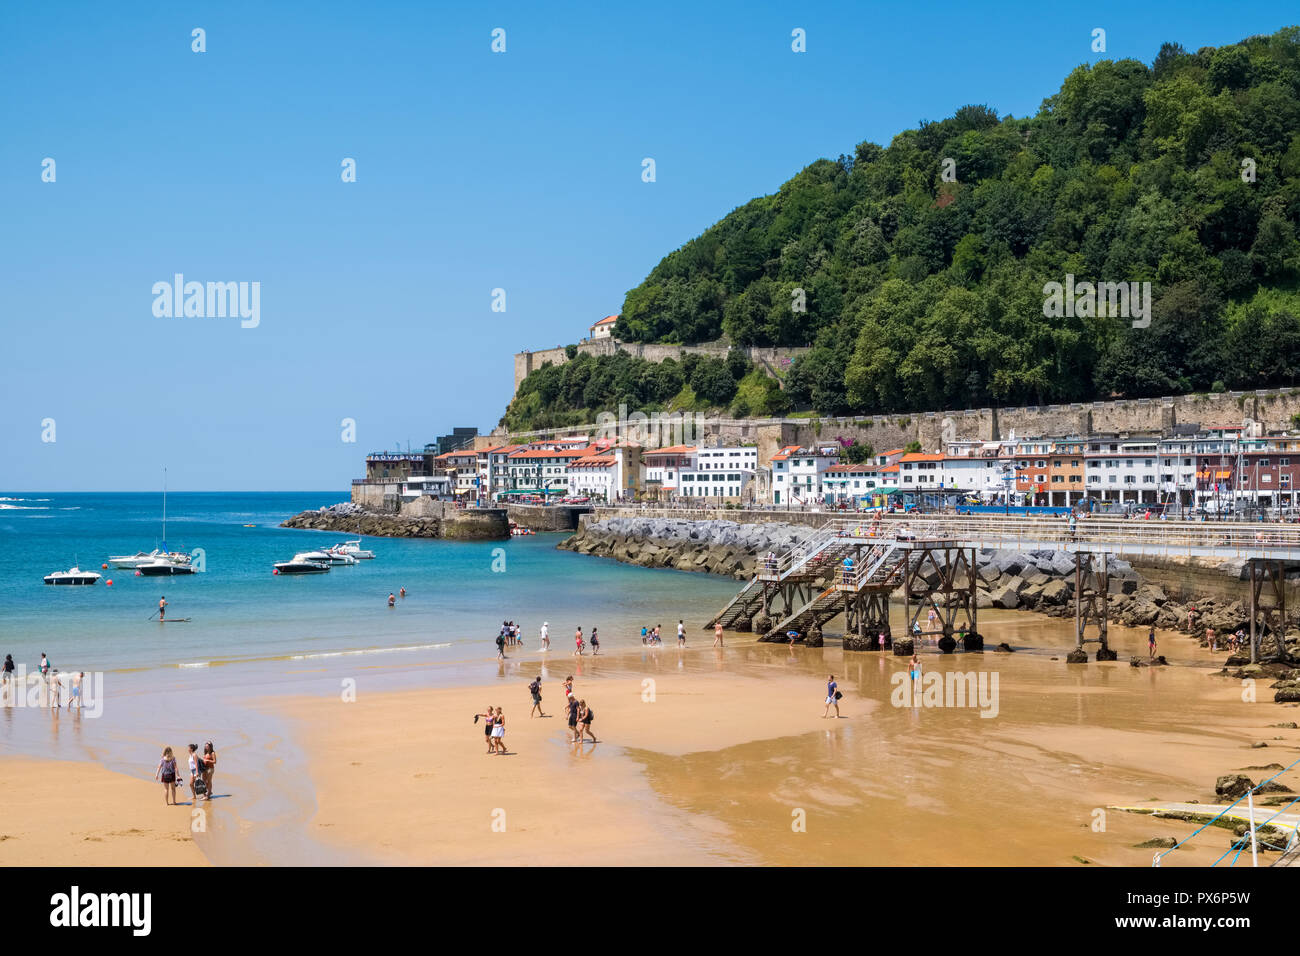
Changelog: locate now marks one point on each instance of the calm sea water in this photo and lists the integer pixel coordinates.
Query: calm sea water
(241, 612)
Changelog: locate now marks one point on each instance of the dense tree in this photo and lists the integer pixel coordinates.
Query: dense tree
(917, 271)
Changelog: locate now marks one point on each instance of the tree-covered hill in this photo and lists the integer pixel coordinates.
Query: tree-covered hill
(925, 293)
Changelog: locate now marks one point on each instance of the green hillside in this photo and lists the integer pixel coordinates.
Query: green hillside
(924, 293)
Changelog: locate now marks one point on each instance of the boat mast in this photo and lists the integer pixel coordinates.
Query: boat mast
(164, 540)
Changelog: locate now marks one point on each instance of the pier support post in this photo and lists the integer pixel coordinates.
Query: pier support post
(1267, 610)
(1091, 606)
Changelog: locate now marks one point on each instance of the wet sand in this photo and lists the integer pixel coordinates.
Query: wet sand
(734, 750)
(65, 813)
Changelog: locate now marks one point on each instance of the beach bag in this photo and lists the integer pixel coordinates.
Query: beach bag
(200, 788)
(838, 695)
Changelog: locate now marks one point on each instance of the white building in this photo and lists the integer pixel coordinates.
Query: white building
(847, 482)
(797, 474)
(604, 329)
(720, 473)
(663, 467)
(606, 474)
(541, 470)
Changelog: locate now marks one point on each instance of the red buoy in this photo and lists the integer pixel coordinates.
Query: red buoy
(104, 566)
(110, 582)
(275, 570)
(137, 574)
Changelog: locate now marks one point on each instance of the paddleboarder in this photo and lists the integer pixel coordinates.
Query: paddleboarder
(162, 609)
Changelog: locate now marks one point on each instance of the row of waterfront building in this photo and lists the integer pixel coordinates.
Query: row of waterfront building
(1216, 469)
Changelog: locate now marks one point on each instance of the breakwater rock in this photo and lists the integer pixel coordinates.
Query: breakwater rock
(350, 519)
(1041, 581)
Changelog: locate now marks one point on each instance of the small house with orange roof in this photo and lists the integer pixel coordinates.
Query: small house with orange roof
(604, 329)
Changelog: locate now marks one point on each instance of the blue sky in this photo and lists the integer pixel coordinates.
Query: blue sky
(475, 171)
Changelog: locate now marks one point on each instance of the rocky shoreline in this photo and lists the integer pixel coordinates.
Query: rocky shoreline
(1041, 581)
(351, 519)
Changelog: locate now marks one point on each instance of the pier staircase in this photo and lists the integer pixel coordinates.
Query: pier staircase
(883, 569)
(801, 564)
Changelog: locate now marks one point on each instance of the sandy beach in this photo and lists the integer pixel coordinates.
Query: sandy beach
(707, 756)
(66, 813)
(733, 750)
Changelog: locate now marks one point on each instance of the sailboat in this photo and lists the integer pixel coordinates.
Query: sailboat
(160, 561)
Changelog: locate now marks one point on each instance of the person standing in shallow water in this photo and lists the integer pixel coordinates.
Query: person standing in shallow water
(832, 696)
(717, 634)
(595, 642)
(166, 772)
(1151, 644)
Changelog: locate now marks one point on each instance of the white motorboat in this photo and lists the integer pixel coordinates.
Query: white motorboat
(307, 562)
(335, 556)
(72, 576)
(141, 558)
(354, 548)
(166, 565)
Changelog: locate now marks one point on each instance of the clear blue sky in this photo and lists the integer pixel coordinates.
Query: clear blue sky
(475, 171)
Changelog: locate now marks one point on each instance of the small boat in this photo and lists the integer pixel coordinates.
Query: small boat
(308, 562)
(354, 548)
(516, 531)
(165, 566)
(72, 576)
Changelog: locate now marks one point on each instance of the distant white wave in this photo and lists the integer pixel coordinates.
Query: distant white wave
(196, 664)
(23, 507)
(368, 650)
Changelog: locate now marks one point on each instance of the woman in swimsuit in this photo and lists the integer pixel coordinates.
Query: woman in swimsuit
(166, 772)
(585, 717)
(499, 731)
(209, 766)
(595, 642)
(577, 642)
(487, 729)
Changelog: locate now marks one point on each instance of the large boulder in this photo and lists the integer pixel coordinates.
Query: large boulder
(1232, 785)
(1005, 597)
(1055, 592)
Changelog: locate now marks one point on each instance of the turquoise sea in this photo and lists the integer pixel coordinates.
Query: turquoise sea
(241, 612)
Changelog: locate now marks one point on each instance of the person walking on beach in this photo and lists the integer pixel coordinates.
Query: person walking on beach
(501, 645)
(717, 634)
(568, 689)
(1209, 637)
(499, 731)
(546, 635)
(535, 688)
(196, 776)
(75, 695)
(585, 717)
(832, 696)
(209, 767)
(573, 719)
(681, 634)
(914, 673)
(45, 665)
(644, 632)
(577, 643)
(8, 668)
(162, 609)
(595, 642)
(166, 772)
(56, 688)
(1151, 644)
(487, 728)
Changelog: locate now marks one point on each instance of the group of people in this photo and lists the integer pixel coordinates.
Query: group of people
(650, 636)
(392, 598)
(55, 683)
(579, 714)
(202, 766)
